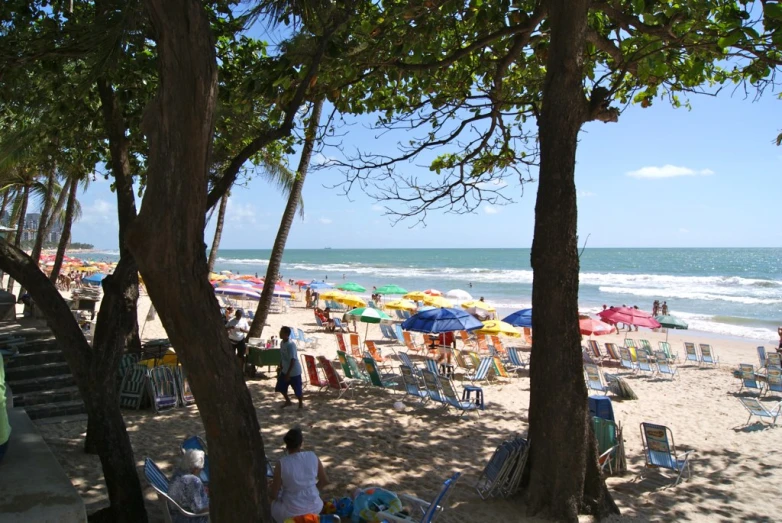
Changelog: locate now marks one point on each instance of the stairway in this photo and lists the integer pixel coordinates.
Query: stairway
(41, 382)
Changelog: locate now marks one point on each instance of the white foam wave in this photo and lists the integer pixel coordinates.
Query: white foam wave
(689, 294)
(243, 261)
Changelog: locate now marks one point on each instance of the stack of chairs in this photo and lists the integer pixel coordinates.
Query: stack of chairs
(502, 475)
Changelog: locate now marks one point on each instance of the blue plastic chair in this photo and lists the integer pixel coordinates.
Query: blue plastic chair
(411, 384)
(660, 450)
(159, 482)
(482, 372)
(400, 337)
(452, 399)
(691, 353)
(626, 359)
(594, 380)
(774, 379)
(756, 408)
(426, 511)
(432, 386)
(664, 365)
(749, 380)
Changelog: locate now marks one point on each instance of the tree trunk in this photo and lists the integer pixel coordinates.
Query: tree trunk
(95, 372)
(564, 478)
(46, 209)
(218, 232)
(58, 207)
(275, 260)
(19, 229)
(65, 238)
(167, 240)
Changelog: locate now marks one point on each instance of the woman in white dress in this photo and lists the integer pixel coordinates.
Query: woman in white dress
(297, 478)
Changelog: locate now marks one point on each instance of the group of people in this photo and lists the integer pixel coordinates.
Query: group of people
(658, 309)
(294, 489)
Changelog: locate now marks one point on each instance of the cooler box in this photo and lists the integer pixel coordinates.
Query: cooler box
(600, 406)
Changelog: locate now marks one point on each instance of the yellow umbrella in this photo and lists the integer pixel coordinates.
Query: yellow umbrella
(437, 301)
(415, 296)
(351, 301)
(330, 295)
(213, 276)
(87, 269)
(478, 305)
(404, 305)
(497, 327)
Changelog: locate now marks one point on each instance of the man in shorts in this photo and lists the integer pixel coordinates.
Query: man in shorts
(290, 369)
(238, 328)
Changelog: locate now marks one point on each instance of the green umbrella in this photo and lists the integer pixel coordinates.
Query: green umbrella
(390, 289)
(671, 322)
(368, 315)
(352, 287)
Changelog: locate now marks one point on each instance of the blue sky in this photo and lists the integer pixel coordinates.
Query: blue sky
(661, 177)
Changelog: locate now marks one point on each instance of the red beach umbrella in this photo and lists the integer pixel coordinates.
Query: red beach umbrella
(433, 292)
(629, 316)
(590, 326)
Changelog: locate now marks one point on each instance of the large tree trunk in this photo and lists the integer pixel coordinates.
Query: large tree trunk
(167, 240)
(65, 238)
(564, 479)
(95, 373)
(46, 209)
(275, 260)
(218, 232)
(20, 228)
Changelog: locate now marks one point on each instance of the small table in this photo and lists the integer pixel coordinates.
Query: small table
(467, 393)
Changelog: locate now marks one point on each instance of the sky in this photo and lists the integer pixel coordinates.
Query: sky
(660, 177)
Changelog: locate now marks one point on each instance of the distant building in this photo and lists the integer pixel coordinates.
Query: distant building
(31, 227)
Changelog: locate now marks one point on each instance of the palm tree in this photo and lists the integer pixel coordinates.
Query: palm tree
(72, 213)
(218, 230)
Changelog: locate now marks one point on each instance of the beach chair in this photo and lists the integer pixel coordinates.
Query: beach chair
(432, 386)
(374, 376)
(498, 346)
(335, 381)
(186, 397)
(691, 352)
(358, 373)
(708, 356)
(466, 341)
(355, 345)
(502, 474)
(475, 360)
(374, 351)
(423, 511)
(411, 384)
(499, 368)
(626, 359)
(756, 408)
(304, 339)
(313, 375)
(431, 366)
(405, 359)
(630, 344)
(387, 331)
(610, 446)
(461, 361)
(127, 362)
(452, 399)
(400, 337)
(749, 379)
(762, 356)
(527, 332)
(197, 443)
(666, 348)
(774, 380)
(159, 483)
(612, 351)
(162, 388)
(409, 343)
(594, 348)
(594, 379)
(664, 365)
(318, 321)
(343, 361)
(586, 357)
(135, 387)
(660, 450)
(773, 359)
(516, 362)
(483, 371)
(644, 344)
(341, 342)
(644, 363)
(339, 325)
(480, 341)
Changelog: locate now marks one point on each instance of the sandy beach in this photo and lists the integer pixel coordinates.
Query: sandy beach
(364, 441)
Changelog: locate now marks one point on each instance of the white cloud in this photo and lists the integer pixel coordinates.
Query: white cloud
(99, 211)
(488, 209)
(585, 194)
(378, 208)
(325, 221)
(245, 215)
(668, 171)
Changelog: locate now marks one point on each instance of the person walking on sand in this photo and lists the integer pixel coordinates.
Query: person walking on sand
(290, 369)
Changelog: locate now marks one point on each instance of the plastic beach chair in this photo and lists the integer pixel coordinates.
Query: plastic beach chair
(749, 380)
(644, 363)
(774, 380)
(691, 352)
(660, 450)
(756, 408)
(411, 384)
(432, 386)
(707, 355)
(664, 365)
(502, 474)
(424, 511)
(626, 359)
(374, 376)
(159, 482)
(335, 381)
(312, 373)
(452, 399)
(594, 379)
(162, 388)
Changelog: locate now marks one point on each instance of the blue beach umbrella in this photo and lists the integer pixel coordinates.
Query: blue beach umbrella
(521, 318)
(319, 285)
(441, 320)
(95, 279)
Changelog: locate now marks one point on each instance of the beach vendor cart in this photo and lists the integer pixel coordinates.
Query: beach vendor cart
(259, 356)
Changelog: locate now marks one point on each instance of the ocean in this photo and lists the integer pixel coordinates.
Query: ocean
(731, 292)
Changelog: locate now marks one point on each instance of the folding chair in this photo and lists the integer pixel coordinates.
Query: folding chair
(594, 348)
(664, 365)
(774, 380)
(666, 348)
(482, 371)
(498, 368)
(594, 379)
(626, 359)
(762, 356)
(517, 363)
(432, 386)
(376, 380)
(756, 408)
(644, 363)
(159, 482)
(452, 399)
(313, 377)
(134, 387)
(613, 351)
(355, 345)
(708, 356)
(660, 450)
(773, 359)
(425, 512)
(162, 388)
(410, 343)
(749, 380)
(341, 342)
(502, 474)
(610, 445)
(466, 341)
(411, 384)
(691, 353)
(374, 351)
(358, 373)
(335, 381)
(186, 397)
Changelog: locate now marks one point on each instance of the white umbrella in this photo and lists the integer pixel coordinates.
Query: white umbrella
(458, 294)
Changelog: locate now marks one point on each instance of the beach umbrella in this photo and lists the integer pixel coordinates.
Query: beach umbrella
(330, 294)
(433, 292)
(496, 327)
(213, 276)
(390, 290)
(404, 305)
(437, 301)
(441, 320)
(281, 293)
(319, 285)
(237, 282)
(352, 287)
(479, 309)
(629, 316)
(94, 279)
(590, 326)
(351, 301)
(415, 296)
(520, 318)
(301, 283)
(227, 273)
(368, 315)
(671, 322)
(458, 294)
(244, 292)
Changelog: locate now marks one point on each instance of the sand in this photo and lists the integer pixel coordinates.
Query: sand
(363, 441)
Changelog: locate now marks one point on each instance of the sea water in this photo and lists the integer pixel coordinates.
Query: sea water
(735, 292)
